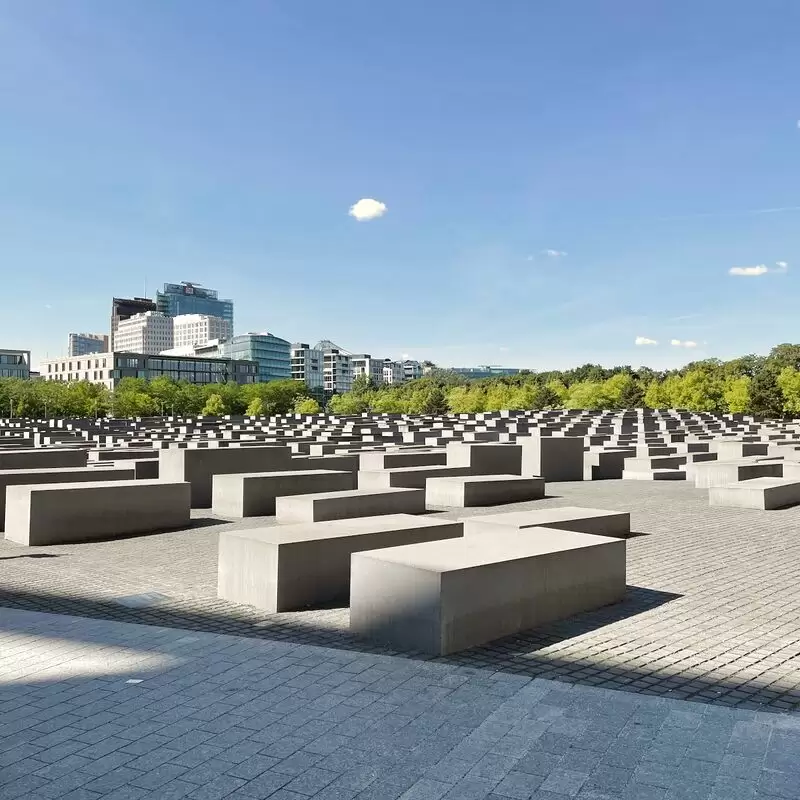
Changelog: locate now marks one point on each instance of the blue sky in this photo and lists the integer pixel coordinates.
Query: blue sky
(650, 147)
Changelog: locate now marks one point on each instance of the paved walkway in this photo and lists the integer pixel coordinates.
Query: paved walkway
(99, 709)
(712, 612)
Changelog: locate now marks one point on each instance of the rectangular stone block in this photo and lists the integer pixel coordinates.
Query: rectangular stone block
(50, 458)
(254, 494)
(18, 477)
(552, 458)
(468, 491)
(349, 504)
(60, 513)
(197, 466)
(767, 494)
(723, 473)
(445, 596)
(596, 521)
(289, 567)
(486, 459)
(391, 459)
(405, 477)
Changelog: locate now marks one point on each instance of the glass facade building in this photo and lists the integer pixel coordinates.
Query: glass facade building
(15, 364)
(272, 354)
(189, 298)
(82, 344)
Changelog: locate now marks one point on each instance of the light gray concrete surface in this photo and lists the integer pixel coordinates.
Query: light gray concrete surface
(349, 504)
(597, 521)
(253, 494)
(553, 458)
(290, 567)
(405, 477)
(766, 494)
(445, 596)
(59, 513)
(481, 490)
(722, 473)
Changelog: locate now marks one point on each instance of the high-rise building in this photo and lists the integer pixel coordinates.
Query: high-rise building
(393, 371)
(81, 344)
(148, 333)
(337, 372)
(272, 354)
(484, 371)
(196, 330)
(15, 363)
(122, 308)
(191, 298)
(365, 364)
(308, 366)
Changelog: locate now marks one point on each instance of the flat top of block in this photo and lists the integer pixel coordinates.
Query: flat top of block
(761, 483)
(86, 485)
(463, 479)
(423, 468)
(66, 470)
(527, 519)
(278, 474)
(302, 498)
(446, 555)
(339, 528)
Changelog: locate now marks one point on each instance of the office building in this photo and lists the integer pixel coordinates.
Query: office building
(122, 309)
(177, 299)
(337, 371)
(412, 370)
(15, 363)
(81, 344)
(365, 364)
(308, 366)
(197, 330)
(148, 333)
(393, 371)
(272, 354)
(110, 368)
(484, 371)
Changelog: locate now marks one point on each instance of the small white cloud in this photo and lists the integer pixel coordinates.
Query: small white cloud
(366, 209)
(529, 258)
(749, 272)
(643, 340)
(679, 343)
(555, 253)
(782, 266)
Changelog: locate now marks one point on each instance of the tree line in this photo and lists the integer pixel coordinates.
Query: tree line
(768, 386)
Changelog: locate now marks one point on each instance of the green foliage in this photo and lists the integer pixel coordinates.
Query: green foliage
(789, 383)
(214, 407)
(347, 404)
(737, 394)
(306, 405)
(255, 408)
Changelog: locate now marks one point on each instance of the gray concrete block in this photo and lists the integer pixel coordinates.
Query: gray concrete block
(597, 521)
(445, 596)
(391, 459)
(349, 504)
(723, 473)
(405, 477)
(197, 466)
(552, 458)
(19, 477)
(486, 459)
(766, 494)
(42, 458)
(253, 494)
(43, 514)
(288, 567)
(468, 491)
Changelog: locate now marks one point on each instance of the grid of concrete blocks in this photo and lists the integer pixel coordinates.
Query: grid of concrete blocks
(355, 500)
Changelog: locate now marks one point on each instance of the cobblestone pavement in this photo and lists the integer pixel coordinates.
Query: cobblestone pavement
(712, 612)
(94, 709)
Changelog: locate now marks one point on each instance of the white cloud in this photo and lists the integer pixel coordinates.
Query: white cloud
(529, 258)
(643, 340)
(759, 269)
(555, 253)
(367, 208)
(679, 343)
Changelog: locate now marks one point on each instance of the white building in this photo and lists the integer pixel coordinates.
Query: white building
(393, 371)
(365, 364)
(197, 330)
(337, 371)
(308, 366)
(149, 333)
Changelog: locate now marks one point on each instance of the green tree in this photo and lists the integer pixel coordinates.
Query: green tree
(588, 395)
(214, 407)
(255, 408)
(789, 382)
(347, 404)
(766, 398)
(656, 395)
(134, 404)
(736, 394)
(306, 405)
